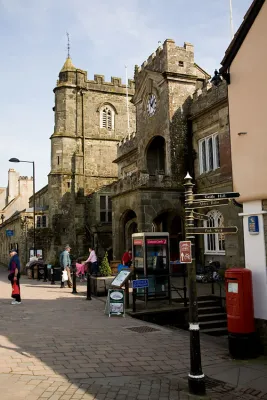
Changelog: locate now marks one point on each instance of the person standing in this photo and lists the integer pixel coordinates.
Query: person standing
(127, 258)
(93, 260)
(65, 263)
(14, 274)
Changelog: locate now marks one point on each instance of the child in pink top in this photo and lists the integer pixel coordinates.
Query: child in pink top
(80, 271)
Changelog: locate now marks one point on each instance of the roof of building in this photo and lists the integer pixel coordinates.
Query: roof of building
(68, 66)
(241, 34)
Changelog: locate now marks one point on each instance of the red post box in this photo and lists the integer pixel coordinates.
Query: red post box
(242, 337)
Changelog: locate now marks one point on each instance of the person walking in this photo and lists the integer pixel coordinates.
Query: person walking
(93, 260)
(14, 274)
(65, 263)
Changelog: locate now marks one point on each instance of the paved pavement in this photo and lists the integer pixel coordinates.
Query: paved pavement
(60, 346)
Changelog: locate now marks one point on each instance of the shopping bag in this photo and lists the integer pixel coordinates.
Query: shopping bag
(64, 276)
(15, 289)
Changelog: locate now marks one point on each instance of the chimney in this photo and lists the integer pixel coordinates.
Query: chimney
(13, 184)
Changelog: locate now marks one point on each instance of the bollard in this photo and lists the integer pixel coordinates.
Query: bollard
(52, 275)
(74, 291)
(88, 286)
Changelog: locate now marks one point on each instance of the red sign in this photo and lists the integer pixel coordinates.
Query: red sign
(185, 252)
(156, 241)
(138, 242)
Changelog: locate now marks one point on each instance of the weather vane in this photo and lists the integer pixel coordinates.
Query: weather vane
(68, 45)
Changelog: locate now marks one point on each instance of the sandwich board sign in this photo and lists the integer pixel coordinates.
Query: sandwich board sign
(115, 304)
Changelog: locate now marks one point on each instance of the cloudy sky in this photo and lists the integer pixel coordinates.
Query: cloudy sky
(105, 36)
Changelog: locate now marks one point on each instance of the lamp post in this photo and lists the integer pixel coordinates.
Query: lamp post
(16, 160)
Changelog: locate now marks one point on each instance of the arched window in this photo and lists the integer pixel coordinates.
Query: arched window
(214, 244)
(107, 118)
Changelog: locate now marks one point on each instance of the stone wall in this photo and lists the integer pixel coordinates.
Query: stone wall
(209, 115)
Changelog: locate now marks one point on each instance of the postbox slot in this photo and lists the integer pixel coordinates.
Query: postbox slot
(232, 279)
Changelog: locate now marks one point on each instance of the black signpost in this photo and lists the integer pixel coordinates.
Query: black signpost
(196, 378)
(207, 231)
(208, 203)
(213, 196)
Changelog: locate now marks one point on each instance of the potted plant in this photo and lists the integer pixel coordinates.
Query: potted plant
(104, 268)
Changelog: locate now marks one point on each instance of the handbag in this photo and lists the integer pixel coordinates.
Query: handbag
(64, 276)
(15, 289)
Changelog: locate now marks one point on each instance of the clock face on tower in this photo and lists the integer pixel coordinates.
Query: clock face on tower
(151, 105)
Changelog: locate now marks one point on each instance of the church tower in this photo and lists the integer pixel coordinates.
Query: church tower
(90, 120)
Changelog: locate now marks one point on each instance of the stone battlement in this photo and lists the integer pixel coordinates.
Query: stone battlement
(127, 144)
(78, 77)
(208, 96)
(169, 58)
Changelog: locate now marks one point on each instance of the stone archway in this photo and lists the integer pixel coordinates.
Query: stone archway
(128, 227)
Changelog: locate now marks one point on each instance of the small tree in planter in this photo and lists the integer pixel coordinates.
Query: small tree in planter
(105, 269)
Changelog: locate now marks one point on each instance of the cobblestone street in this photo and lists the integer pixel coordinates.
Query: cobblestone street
(60, 346)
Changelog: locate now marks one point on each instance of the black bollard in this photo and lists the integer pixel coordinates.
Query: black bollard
(74, 291)
(88, 286)
(52, 275)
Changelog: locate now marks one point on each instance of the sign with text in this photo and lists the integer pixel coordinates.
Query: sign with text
(253, 225)
(208, 203)
(140, 283)
(185, 252)
(208, 231)
(116, 302)
(156, 241)
(201, 217)
(213, 196)
(138, 242)
(121, 278)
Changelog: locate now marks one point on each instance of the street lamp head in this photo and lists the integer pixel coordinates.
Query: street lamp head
(14, 160)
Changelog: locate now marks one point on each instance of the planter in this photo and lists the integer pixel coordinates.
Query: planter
(100, 285)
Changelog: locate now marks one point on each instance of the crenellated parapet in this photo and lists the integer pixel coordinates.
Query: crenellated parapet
(77, 78)
(169, 58)
(127, 144)
(208, 96)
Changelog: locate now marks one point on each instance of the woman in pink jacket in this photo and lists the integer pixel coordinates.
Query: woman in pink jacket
(93, 260)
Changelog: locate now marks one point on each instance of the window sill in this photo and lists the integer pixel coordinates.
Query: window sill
(202, 174)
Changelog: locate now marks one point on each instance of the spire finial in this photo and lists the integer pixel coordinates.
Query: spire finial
(68, 44)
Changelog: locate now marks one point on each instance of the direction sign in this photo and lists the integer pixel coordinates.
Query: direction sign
(202, 217)
(140, 283)
(203, 230)
(208, 203)
(185, 252)
(212, 196)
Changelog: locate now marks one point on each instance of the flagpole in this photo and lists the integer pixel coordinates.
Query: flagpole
(231, 20)
(127, 103)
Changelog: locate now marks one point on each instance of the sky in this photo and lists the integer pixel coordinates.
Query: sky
(105, 36)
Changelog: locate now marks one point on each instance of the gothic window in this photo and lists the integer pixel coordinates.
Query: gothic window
(209, 153)
(214, 244)
(105, 209)
(156, 156)
(107, 117)
(41, 221)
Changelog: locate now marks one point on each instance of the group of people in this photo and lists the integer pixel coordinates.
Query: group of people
(81, 268)
(65, 264)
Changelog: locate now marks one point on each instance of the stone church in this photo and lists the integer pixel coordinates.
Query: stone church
(119, 155)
